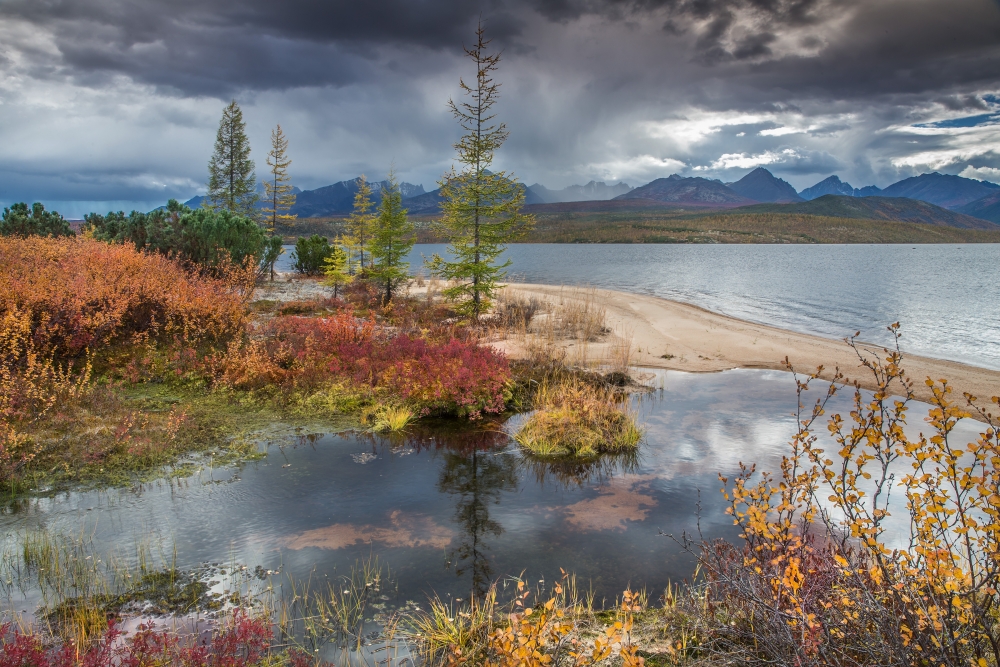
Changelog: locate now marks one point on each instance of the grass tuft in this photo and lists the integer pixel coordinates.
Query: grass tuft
(577, 419)
(392, 418)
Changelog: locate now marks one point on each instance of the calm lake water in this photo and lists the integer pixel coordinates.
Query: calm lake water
(451, 510)
(944, 296)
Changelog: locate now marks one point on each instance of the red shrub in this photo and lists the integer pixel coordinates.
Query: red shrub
(244, 642)
(449, 375)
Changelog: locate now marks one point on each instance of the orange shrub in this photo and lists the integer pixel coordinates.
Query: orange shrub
(82, 294)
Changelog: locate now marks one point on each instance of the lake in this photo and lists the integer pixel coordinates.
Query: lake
(944, 296)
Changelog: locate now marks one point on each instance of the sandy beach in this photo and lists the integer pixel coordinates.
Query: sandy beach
(678, 336)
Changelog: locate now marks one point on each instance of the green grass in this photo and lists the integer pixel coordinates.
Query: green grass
(82, 446)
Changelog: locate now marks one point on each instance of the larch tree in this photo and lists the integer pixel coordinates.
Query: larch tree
(232, 182)
(278, 197)
(481, 209)
(361, 222)
(392, 239)
(335, 268)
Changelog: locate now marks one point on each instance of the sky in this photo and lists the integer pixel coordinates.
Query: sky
(114, 104)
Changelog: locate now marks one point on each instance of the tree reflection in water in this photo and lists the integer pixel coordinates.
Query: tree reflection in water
(476, 474)
(479, 466)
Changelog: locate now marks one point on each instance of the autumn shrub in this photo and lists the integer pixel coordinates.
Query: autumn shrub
(578, 419)
(243, 641)
(68, 303)
(870, 547)
(431, 376)
(81, 294)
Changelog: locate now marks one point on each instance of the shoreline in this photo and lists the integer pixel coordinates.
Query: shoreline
(701, 341)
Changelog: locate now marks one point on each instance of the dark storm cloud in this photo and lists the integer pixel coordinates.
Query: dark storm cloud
(592, 88)
(216, 46)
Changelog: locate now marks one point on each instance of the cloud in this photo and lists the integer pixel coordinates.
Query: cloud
(991, 174)
(115, 99)
(785, 160)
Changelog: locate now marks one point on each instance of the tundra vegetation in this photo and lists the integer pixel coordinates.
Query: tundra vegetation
(140, 340)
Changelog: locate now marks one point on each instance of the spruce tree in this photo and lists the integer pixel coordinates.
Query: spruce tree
(232, 183)
(481, 209)
(361, 222)
(278, 195)
(392, 239)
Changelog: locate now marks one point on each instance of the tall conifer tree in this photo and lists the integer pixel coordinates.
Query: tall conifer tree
(361, 221)
(481, 209)
(232, 183)
(392, 239)
(278, 196)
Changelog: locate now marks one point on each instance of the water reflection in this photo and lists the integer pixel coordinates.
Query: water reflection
(476, 477)
(575, 473)
(450, 507)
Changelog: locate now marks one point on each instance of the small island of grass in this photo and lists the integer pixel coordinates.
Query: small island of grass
(578, 419)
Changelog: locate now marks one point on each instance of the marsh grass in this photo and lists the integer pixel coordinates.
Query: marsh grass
(311, 615)
(451, 628)
(391, 418)
(577, 419)
(117, 435)
(82, 588)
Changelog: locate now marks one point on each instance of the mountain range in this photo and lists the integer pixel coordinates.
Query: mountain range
(592, 191)
(700, 192)
(965, 196)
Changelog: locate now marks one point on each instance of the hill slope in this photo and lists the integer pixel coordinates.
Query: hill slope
(699, 192)
(762, 185)
(735, 226)
(987, 208)
(941, 189)
(877, 208)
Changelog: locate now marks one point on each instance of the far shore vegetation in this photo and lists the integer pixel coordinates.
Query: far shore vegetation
(150, 344)
(661, 225)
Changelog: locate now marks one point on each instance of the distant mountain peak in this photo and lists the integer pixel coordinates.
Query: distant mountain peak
(941, 189)
(831, 185)
(761, 185)
(592, 191)
(688, 192)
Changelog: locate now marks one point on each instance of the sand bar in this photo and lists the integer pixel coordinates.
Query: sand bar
(702, 341)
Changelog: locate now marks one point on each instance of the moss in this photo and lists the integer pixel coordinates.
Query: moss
(123, 435)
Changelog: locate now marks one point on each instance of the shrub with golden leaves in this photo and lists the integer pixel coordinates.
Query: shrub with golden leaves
(81, 294)
(823, 580)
